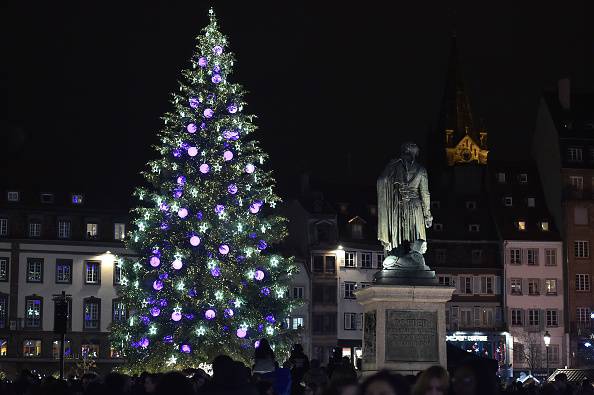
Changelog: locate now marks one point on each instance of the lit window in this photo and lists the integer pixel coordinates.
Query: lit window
(64, 229)
(3, 310)
(91, 313)
(90, 349)
(3, 226)
(34, 229)
(12, 196)
(544, 226)
(31, 348)
(77, 199)
(67, 349)
(551, 286)
(47, 198)
(92, 231)
(3, 347)
(63, 271)
(516, 286)
(92, 272)
(34, 270)
(119, 231)
(4, 268)
(581, 248)
(33, 311)
(297, 322)
(521, 225)
(117, 273)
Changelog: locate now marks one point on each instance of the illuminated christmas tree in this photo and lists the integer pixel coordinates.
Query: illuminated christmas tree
(205, 281)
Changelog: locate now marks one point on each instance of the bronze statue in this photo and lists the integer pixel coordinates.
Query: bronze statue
(404, 213)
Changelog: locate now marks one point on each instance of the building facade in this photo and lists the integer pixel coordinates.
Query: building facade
(533, 270)
(51, 243)
(564, 150)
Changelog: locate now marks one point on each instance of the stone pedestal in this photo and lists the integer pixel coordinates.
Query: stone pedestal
(404, 328)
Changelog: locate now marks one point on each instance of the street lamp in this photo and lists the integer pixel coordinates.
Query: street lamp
(547, 342)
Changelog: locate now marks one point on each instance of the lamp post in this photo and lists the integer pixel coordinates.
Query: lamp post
(547, 342)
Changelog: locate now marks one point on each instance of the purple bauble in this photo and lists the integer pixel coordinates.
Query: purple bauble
(145, 320)
(192, 151)
(216, 78)
(217, 50)
(155, 261)
(202, 126)
(219, 208)
(177, 193)
(202, 62)
(229, 313)
(158, 285)
(192, 128)
(199, 215)
(254, 208)
(194, 103)
(232, 135)
(257, 344)
(168, 339)
(189, 316)
(144, 342)
(181, 180)
(195, 240)
(177, 264)
(216, 69)
(228, 155)
(182, 212)
(249, 168)
(224, 249)
(232, 189)
(265, 291)
(163, 276)
(155, 311)
(192, 293)
(262, 245)
(176, 316)
(232, 108)
(185, 348)
(270, 318)
(163, 302)
(260, 328)
(208, 113)
(164, 226)
(259, 275)
(241, 333)
(215, 271)
(252, 235)
(204, 168)
(210, 314)
(163, 206)
(176, 153)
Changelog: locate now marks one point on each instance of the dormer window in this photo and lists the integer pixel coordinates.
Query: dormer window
(47, 198)
(13, 196)
(508, 201)
(501, 178)
(575, 154)
(77, 199)
(544, 226)
(471, 205)
(523, 178)
(531, 202)
(474, 228)
(437, 227)
(521, 225)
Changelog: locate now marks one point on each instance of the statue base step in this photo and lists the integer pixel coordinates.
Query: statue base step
(405, 277)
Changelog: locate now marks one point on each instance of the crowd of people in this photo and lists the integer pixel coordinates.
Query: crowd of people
(296, 376)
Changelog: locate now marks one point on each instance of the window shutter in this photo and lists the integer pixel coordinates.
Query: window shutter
(524, 286)
(359, 321)
(455, 314)
(454, 281)
(347, 321)
(541, 318)
(497, 285)
(343, 289)
(498, 316)
(477, 284)
(523, 317)
(461, 284)
(476, 312)
(509, 287)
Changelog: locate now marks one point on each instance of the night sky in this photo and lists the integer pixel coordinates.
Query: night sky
(336, 89)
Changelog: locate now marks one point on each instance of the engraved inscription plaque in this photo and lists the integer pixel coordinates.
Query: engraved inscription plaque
(369, 337)
(411, 335)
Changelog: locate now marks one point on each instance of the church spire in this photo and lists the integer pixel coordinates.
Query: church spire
(464, 141)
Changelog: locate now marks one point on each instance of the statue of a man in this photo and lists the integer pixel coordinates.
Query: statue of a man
(403, 203)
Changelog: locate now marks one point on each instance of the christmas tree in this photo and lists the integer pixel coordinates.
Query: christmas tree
(206, 280)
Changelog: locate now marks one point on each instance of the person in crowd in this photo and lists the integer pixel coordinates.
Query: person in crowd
(345, 386)
(432, 381)
(563, 387)
(264, 360)
(585, 388)
(299, 364)
(150, 382)
(385, 383)
(472, 378)
(315, 376)
(174, 383)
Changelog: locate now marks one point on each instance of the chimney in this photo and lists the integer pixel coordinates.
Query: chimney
(563, 86)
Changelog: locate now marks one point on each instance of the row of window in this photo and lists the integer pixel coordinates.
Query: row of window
(15, 196)
(476, 256)
(582, 282)
(91, 310)
(583, 315)
(576, 184)
(522, 226)
(64, 230)
(502, 178)
(534, 317)
(576, 154)
(63, 273)
(473, 228)
(530, 256)
(458, 317)
(508, 201)
(471, 285)
(363, 260)
(33, 348)
(533, 286)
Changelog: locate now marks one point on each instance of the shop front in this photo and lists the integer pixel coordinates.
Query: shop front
(492, 345)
